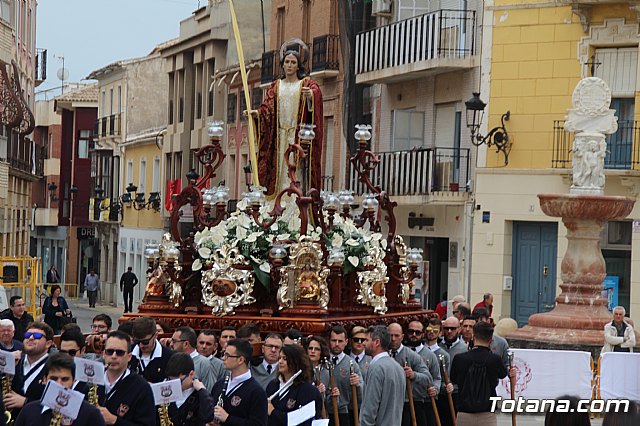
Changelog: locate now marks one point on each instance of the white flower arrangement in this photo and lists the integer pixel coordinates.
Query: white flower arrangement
(254, 242)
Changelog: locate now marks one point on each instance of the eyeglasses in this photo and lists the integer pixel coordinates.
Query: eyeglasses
(359, 339)
(272, 347)
(412, 331)
(226, 355)
(433, 329)
(99, 327)
(36, 335)
(143, 341)
(118, 352)
(450, 328)
(71, 352)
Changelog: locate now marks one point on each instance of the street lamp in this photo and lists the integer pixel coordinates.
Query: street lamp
(497, 136)
(52, 187)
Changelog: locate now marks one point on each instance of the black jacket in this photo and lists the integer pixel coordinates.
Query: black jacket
(460, 367)
(36, 388)
(131, 400)
(153, 372)
(246, 405)
(20, 324)
(128, 281)
(32, 415)
(197, 410)
(297, 396)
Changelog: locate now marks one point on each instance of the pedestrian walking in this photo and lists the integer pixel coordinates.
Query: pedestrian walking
(128, 281)
(92, 285)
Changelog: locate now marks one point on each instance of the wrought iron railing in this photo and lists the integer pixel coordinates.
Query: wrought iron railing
(440, 34)
(420, 171)
(326, 53)
(623, 150)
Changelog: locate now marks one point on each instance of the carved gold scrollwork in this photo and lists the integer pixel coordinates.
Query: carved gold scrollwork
(305, 278)
(372, 291)
(224, 287)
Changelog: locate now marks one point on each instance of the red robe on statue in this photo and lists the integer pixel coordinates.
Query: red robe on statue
(268, 135)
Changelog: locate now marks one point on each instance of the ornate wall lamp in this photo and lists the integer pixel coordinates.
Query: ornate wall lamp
(497, 136)
(139, 201)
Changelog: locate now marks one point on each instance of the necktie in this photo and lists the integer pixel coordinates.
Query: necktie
(394, 353)
(335, 360)
(357, 359)
(413, 349)
(269, 368)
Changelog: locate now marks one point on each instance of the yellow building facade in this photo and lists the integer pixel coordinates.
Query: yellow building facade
(534, 54)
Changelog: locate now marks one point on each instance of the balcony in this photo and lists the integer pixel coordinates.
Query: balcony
(46, 217)
(440, 174)
(41, 66)
(623, 152)
(325, 59)
(428, 44)
(104, 210)
(107, 126)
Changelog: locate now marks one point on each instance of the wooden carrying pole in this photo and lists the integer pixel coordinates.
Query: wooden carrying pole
(512, 385)
(354, 396)
(334, 399)
(445, 377)
(412, 408)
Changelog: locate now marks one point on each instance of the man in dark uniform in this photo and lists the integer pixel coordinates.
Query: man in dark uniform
(128, 281)
(126, 397)
(59, 368)
(241, 400)
(27, 384)
(196, 405)
(149, 357)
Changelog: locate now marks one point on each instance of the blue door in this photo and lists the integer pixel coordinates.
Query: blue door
(535, 247)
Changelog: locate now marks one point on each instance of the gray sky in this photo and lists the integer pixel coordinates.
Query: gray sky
(92, 33)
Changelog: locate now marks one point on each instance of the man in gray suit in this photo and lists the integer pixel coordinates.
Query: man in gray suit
(415, 370)
(206, 348)
(385, 382)
(185, 340)
(266, 369)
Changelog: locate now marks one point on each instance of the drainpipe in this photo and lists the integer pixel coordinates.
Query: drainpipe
(468, 249)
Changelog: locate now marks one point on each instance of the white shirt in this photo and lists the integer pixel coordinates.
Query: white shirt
(357, 358)
(274, 366)
(108, 385)
(144, 359)
(434, 347)
(236, 382)
(194, 354)
(27, 366)
(377, 357)
(419, 347)
(185, 394)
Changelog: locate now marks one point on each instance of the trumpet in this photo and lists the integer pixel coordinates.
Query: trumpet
(6, 389)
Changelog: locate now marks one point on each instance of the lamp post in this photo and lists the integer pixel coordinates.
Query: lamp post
(497, 136)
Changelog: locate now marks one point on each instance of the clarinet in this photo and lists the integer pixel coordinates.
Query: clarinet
(224, 390)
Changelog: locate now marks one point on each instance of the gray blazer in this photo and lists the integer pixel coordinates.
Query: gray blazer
(204, 372)
(341, 374)
(500, 347)
(218, 368)
(363, 363)
(433, 365)
(263, 378)
(422, 378)
(384, 391)
(458, 347)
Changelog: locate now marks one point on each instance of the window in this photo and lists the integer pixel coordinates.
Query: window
(408, 129)
(256, 98)
(232, 100)
(199, 105)
(243, 107)
(177, 165)
(280, 20)
(181, 110)
(306, 20)
(155, 183)
(168, 171)
(5, 11)
(142, 185)
(85, 144)
(410, 8)
(103, 103)
(171, 95)
(110, 101)
(119, 110)
(211, 88)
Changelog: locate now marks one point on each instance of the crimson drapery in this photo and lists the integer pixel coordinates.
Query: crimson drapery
(267, 136)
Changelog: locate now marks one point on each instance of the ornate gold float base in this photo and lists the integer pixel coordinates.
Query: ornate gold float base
(308, 325)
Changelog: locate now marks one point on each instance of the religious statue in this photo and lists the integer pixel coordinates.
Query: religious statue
(155, 285)
(292, 100)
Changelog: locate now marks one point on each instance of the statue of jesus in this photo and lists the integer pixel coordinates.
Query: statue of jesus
(292, 100)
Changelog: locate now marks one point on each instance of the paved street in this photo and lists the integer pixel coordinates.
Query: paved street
(84, 314)
(530, 420)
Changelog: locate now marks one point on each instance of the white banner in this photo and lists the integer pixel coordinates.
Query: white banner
(545, 373)
(620, 375)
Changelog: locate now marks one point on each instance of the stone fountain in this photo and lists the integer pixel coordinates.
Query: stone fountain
(578, 319)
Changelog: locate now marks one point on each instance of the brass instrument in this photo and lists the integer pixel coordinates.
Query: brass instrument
(163, 413)
(512, 385)
(56, 418)
(445, 377)
(92, 396)
(412, 407)
(6, 388)
(354, 394)
(316, 376)
(334, 399)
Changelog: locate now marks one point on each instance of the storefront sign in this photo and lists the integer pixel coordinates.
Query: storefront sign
(86, 233)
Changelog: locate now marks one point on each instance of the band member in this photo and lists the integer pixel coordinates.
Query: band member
(415, 370)
(292, 359)
(266, 369)
(149, 357)
(196, 405)
(61, 369)
(415, 334)
(240, 400)
(344, 379)
(358, 338)
(127, 397)
(27, 384)
(386, 384)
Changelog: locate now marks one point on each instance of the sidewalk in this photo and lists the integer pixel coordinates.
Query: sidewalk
(531, 420)
(84, 314)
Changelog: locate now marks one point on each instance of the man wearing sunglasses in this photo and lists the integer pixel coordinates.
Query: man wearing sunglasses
(433, 332)
(149, 356)
(357, 353)
(126, 397)
(452, 342)
(59, 368)
(27, 383)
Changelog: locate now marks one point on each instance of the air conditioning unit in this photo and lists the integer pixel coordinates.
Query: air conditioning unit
(381, 7)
